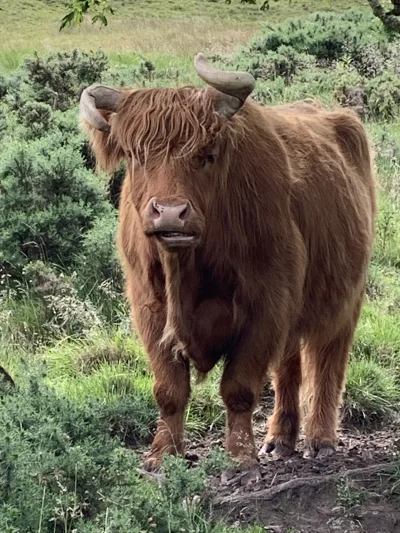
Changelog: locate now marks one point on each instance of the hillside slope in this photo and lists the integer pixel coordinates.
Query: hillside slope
(156, 28)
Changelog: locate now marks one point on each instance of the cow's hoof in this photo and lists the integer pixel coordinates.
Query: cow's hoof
(319, 449)
(277, 448)
(244, 463)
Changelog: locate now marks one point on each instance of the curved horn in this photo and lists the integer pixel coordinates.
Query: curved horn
(98, 97)
(235, 85)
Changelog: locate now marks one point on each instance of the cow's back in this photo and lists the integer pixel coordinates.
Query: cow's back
(333, 205)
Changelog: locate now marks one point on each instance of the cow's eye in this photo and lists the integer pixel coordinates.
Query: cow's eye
(208, 160)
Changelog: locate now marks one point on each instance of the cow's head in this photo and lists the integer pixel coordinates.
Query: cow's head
(177, 143)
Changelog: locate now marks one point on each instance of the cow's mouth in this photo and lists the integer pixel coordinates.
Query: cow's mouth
(177, 238)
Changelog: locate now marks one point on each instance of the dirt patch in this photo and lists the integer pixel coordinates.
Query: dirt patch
(355, 490)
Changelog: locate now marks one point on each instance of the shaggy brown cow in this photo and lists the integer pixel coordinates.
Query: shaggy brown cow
(245, 233)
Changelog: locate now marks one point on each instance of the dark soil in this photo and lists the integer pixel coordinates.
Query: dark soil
(355, 490)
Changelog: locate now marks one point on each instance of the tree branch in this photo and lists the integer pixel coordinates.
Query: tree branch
(389, 18)
(270, 493)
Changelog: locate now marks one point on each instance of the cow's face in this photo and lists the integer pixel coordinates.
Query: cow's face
(172, 199)
(175, 141)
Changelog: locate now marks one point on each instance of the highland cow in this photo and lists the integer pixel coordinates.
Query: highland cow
(245, 235)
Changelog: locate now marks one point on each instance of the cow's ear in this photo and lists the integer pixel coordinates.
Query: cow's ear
(105, 144)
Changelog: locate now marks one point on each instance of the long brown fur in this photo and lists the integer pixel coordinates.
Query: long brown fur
(276, 284)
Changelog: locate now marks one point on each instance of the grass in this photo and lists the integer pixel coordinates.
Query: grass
(165, 31)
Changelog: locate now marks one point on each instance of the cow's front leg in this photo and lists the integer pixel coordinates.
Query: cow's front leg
(171, 390)
(172, 381)
(242, 384)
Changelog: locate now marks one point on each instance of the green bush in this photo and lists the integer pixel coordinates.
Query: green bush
(326, 36)
(348, 57)
(3, 123)
(57, 78)
(384, 96)
(62, 469)
(98, 259)
(36, 117)
(3, 86)
(58, 462)
(48, 202)
(285, 62)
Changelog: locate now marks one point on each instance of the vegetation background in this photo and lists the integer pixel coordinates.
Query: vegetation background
(82, 401)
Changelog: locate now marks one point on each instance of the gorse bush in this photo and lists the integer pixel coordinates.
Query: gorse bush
(98, 259)
(56, 79)
(384, 96)
(62, 469)
(285, 62)
(326, 36)
(53, 207)
(349, 57)
(36, 117)
(48, 202)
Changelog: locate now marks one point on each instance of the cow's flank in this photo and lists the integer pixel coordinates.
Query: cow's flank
(245, 234)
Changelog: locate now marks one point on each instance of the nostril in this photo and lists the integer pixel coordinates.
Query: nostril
(185, 212)
(155, 209)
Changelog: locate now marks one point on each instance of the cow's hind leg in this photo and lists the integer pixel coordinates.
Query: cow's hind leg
(327, 364)
(284, 424)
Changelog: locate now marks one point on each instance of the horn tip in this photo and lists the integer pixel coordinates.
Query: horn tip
(200, 57)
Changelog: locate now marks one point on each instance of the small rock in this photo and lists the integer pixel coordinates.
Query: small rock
(353, 444)
(367, 455)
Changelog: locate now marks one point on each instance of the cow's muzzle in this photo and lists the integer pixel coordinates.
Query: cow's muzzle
(172, 223)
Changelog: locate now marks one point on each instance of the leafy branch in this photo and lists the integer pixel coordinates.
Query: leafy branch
(99, 9)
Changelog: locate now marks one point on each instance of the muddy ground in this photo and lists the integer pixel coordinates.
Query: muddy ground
(355, 490)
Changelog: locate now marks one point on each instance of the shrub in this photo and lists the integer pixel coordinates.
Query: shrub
(368, 60)
(324, 35)
(98, 259)
(62, 470)
(3, 86)
(48, 202)
(384, 96)
(36, 117)
(3, 122)
(285, 62)
(353, 97)
(57, 78)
